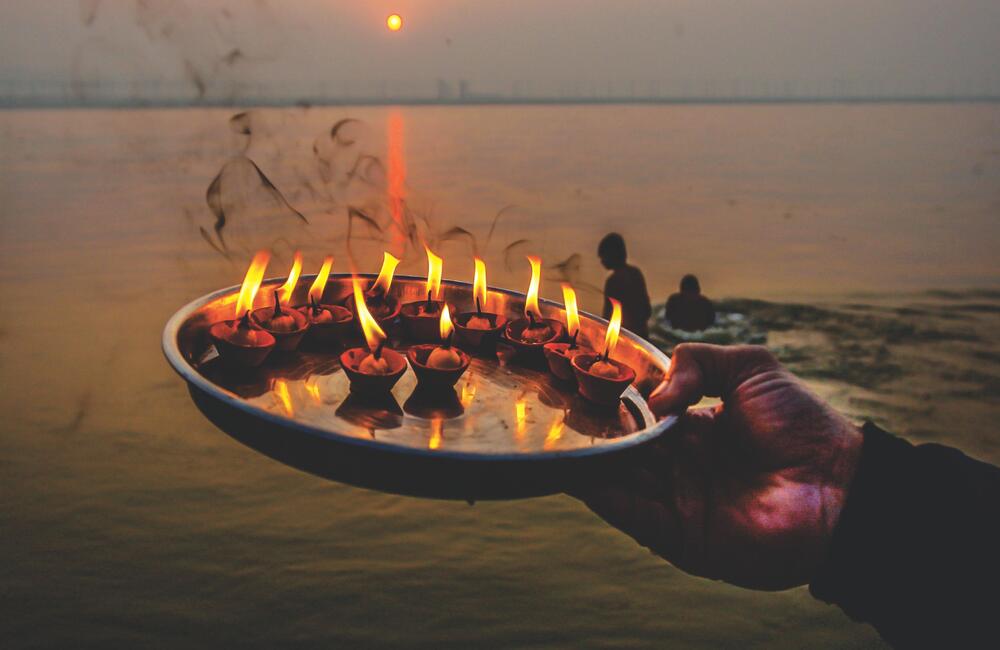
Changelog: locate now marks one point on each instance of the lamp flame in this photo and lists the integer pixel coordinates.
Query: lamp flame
(285, 293)
(479, 285)
(614, 328)
(446, 327)
(572, 312)
(251, 282)
(373, 333)
(384, 279)
(531, 304)
(434, 265)
(319, 284)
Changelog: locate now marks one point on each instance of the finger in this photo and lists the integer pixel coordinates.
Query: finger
(698, 370)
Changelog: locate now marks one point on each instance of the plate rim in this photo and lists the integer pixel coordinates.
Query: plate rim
(190, 374)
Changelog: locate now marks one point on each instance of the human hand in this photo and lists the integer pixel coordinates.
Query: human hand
(747, 492)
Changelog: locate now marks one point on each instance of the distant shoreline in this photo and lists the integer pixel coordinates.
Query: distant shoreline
(9, 103)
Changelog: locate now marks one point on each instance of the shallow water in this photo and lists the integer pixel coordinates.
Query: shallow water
(129, 519)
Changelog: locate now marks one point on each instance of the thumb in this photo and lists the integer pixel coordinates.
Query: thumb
(698, 370)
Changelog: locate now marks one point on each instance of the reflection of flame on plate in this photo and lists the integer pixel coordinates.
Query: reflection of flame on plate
(371, 411)
(434, 404)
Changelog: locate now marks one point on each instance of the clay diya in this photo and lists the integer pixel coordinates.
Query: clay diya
(239, 342)
(478, 330)
(382, 307)
(287, 326)
(328, 324)
(420, 318)
(531, 333)
(601, 379)
(439, 366)
(374, 369)
(559, 355)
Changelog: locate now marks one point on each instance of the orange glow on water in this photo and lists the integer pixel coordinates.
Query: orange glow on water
(397, 181)
(555, 431)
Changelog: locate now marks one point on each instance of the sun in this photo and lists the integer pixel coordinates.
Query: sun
(394, 22)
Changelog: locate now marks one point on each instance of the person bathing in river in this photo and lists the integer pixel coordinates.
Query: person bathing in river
(626, 285)
(688, 309)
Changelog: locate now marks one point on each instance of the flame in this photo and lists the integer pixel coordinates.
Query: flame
(572, 313)
(555, 431)
(319, 284)
(384, 279)
(281, 390)
(468, 394)
(446, 327)
(531, 304)
(521, 416)
(614, 327)
(479, 285)
(434, 265)
(373, 333)
(293, 277)
(251, 282)
(437, 424)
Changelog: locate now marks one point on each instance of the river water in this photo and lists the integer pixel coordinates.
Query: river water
(861, 238)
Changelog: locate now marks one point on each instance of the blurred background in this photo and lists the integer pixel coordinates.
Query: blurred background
(830, 172)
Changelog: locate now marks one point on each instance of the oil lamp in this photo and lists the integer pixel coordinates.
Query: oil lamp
(531, 333)
(439, 366)
(478, 329)
(239, 342)
(288, 325)
(559, 355)
(327, 323)
(601, 379)
(380, 305)
(374, 369)
(421, 318)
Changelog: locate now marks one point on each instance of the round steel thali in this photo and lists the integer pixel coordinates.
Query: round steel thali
(509, 429)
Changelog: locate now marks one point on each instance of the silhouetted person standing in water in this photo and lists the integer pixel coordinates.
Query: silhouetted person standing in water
(626, 285)
(688, 309)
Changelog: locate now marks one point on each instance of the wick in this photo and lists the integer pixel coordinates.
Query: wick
(606, 351)
(447, 341)
(428, 300)
(378, 350)
(572, 340)
(479, 306)
(531, 320)
(277, 304)
(245, 320)
(314, 304)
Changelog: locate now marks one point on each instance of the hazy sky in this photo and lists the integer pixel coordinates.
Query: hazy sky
(562, 46)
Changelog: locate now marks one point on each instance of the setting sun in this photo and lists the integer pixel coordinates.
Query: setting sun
(394, 22)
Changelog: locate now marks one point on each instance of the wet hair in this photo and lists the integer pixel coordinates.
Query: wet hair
(612, 250)
(689, 283)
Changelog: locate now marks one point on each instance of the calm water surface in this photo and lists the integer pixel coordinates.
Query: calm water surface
(129, 520)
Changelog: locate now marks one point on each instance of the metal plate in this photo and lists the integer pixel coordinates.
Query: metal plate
(506, 431)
